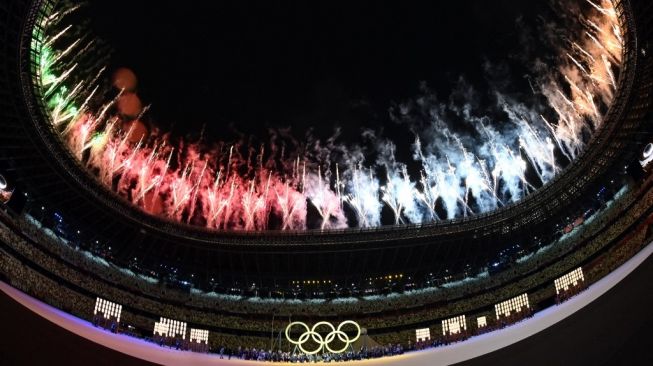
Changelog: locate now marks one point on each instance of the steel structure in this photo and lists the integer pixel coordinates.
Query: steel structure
(32, 155)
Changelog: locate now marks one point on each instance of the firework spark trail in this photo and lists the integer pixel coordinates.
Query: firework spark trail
(363, 198)
(325, 201)
(147, 179)
(429, 196)
(457, 177)
(212, 196)
(288, 203)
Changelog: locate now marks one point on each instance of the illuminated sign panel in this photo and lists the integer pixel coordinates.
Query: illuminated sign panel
(199, 335)
(514, 305)
(161, 329)
(481, 322)
(454, 325)
(107, 308)
(423, 334)
(571, 279)
(170, 328)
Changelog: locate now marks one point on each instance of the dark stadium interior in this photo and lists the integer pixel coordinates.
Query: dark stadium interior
(586, 338)
(70, 241)
(237, 258)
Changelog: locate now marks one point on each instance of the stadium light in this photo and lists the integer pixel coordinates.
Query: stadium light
(423, 334)
(571, 279)
(511, 305)
(481, 322)
(199, 335)
(107, 308)
(454, 325)
(174, 327)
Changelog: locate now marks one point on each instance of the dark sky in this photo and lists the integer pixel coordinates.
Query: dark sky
(303, 64)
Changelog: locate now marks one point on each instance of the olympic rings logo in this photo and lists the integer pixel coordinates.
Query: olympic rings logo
(323, 342)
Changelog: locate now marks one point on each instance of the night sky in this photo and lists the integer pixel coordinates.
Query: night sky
(247, 66)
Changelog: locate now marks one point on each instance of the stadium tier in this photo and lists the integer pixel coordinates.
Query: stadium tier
(68, 239)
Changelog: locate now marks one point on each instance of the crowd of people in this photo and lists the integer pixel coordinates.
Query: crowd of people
(243, 305)
(84, 275)
(180, 343)
(111, 323)
(299, 357)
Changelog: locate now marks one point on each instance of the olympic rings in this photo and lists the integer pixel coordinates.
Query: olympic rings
(323, 342)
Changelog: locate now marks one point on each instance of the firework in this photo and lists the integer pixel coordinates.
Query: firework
(218, 187)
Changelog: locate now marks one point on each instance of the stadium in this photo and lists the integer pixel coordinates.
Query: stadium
(189, 253)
